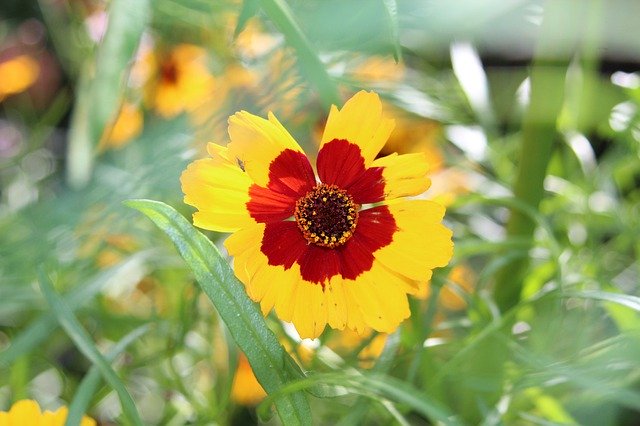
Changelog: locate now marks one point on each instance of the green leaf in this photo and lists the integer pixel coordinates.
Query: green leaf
(83, 341)
(280, 13)
(91, 381)
(627, 300)
(391, 7)
(40, 329)
(101, 84)
(272, 365)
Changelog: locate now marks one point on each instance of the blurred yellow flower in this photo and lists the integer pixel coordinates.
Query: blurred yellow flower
(17, 74)
(127, 125)
(245, 389)
(462, 280)
(378, 69)
(253, 42)
(178, 80)
(346, 341)
(27, 412)
(412, 135)
(448, 184)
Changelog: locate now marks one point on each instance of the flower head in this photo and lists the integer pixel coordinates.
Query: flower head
(27, 412)
(178, 80)
(343, 248)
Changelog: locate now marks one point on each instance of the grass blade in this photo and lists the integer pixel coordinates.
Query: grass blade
(375, 386)
(91, 381)
(391, 7)
(103, 80)
(627, 300)
(40, 329)
(83, 341)
(271, 364)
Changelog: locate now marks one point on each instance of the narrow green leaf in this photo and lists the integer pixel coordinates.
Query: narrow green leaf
(391, 7)
(383, 365)
(280, 13)
(374, 386)
(91, 381)
(271, 364)
(248, 11)
(101, 84)
(627, 300)
(40, 329)
(83, 341)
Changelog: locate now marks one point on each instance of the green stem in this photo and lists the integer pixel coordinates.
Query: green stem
(19, 378)
(538, 135)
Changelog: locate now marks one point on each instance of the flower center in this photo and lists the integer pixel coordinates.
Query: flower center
(169, 71)
(326, 215)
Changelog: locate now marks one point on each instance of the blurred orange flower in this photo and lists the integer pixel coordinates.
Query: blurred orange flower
(245, 389)
(17, 74)
(127, 125)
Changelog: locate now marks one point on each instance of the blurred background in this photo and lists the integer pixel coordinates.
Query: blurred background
(527, 111)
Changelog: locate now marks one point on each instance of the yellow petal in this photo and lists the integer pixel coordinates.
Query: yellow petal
(25, 412)
(244, 238)
(421, 242)
(55, 418)
(288, 282)
(360, 122)
(87, 421)
(336, 304)
(302, 315)
(404, 175)
(256, 142)
(220, 191)
(355, 319)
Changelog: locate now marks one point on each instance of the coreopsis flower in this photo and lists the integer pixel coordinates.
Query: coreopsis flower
(27, 412)
(342, 245)
(178, 80)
